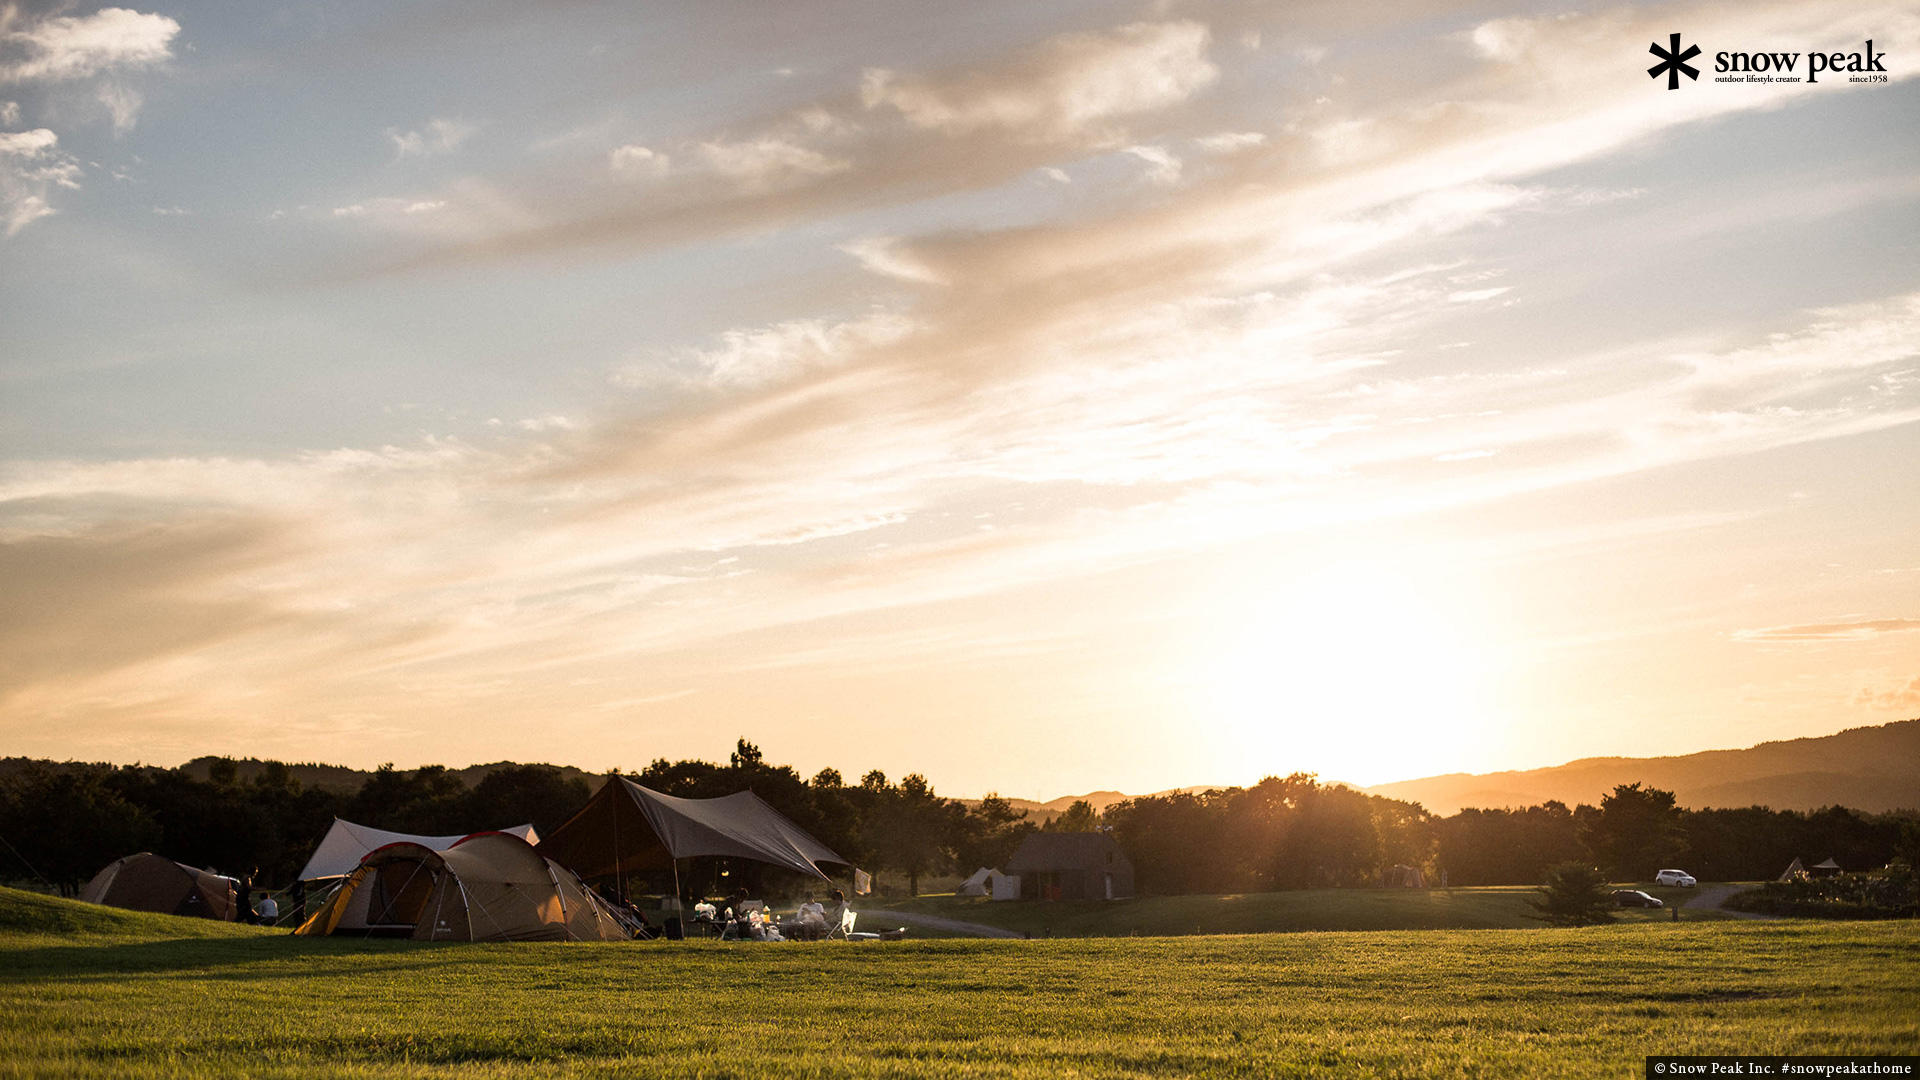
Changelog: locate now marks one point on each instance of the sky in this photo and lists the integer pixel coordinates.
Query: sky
(1040, 397)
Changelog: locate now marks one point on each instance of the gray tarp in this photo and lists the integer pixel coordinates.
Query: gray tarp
(626, 828)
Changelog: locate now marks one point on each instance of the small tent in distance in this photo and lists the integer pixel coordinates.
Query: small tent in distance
(990, 883)
(347, 843)
(149, 882)
(485, 887)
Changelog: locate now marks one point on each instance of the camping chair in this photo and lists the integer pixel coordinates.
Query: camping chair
(844, 929)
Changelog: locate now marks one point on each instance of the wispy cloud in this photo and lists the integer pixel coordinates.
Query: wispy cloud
(438, 136)
(1856, 630)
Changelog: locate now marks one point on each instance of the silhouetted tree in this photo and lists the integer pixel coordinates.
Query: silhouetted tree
(1574, 894)
(1636, 832)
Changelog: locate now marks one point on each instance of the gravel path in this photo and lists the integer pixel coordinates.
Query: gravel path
(914, 918)
(1711, 897)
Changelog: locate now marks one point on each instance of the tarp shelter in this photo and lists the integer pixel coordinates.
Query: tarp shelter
(626, 828)
(1828, 868)
(1071, 866)
(148, 882)
(1402, 876)
(484, 887)
(346, 843)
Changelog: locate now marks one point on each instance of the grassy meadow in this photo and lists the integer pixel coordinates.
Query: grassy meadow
(94, 992)
(1477, 908)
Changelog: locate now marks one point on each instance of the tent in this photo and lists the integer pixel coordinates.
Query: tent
(626, 828)
(345, 843)
(1828, 868)
(1793, 870)
(1071, 866)
(485, 887)
(993, 883)
(148, 882)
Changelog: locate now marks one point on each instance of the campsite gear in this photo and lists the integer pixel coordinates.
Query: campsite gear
(486, 887)
(345, 843)
(149, 882)
(626, 828)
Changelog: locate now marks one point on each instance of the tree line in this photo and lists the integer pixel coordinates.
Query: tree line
(61, 822)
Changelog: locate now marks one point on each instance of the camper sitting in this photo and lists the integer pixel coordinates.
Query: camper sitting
(810, 922)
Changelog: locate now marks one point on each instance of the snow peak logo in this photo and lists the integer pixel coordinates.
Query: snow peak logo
(1862, 66)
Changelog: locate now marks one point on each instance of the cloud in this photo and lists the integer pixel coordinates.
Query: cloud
(758, 357)
(769, 160)
(1227, 142)
(883, 255)
(64, 48)
(1859, 630)
(31, 166)
(1066, 89)
(97, 51)
(1900, 697)
(1165, 167)
(636, 160)
(438, 137)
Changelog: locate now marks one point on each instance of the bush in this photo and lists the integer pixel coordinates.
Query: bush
(1574, 894)
(1892, 893)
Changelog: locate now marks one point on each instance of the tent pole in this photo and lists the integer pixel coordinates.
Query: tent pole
(676, 885)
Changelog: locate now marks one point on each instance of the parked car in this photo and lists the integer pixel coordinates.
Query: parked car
(1675, 877)
(1635, 898)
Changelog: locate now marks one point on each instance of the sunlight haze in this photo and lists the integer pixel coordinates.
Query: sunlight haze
(1042, 398)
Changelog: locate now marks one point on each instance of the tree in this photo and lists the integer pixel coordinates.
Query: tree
(1574, 894)
(541, 795)
(67, 823)
(1636, 832)
(1076, 818)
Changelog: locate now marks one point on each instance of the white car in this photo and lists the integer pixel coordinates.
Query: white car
(1675, 877)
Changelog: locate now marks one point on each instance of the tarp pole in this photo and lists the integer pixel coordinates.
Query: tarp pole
(619, 874)
(676, 886)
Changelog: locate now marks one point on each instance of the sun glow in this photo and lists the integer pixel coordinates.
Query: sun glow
(1359, 671)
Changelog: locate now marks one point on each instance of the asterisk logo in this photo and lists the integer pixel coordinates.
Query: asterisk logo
(1673, 61)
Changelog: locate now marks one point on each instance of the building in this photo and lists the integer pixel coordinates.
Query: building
(1071, 866)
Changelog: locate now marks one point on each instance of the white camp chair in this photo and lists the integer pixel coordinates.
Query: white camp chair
(844, 929)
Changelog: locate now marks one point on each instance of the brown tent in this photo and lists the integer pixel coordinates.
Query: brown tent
(487, 887)
(148, 882)
(626, 828)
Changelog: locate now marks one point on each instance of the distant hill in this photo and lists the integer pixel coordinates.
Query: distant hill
(1871, 769)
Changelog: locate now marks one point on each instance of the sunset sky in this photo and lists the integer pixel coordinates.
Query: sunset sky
(1042, 397)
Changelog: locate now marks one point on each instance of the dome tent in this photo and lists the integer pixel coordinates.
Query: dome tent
(487, 887)
(149, 882)
(346, 843)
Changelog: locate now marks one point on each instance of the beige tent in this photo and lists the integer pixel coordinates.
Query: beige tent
(148, 882)
(345, 843)
(487, 887)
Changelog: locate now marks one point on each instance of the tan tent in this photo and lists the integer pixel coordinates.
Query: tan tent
(487, 887)
(148, 882)
(626, 828)
(341, 849)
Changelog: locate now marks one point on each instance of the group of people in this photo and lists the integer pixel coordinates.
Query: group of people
(746, 920)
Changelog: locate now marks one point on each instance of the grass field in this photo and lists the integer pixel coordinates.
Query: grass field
(1480, 908)
(94, 992)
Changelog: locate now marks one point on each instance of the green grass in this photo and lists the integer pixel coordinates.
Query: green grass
(1480, 908)
(151, 996)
